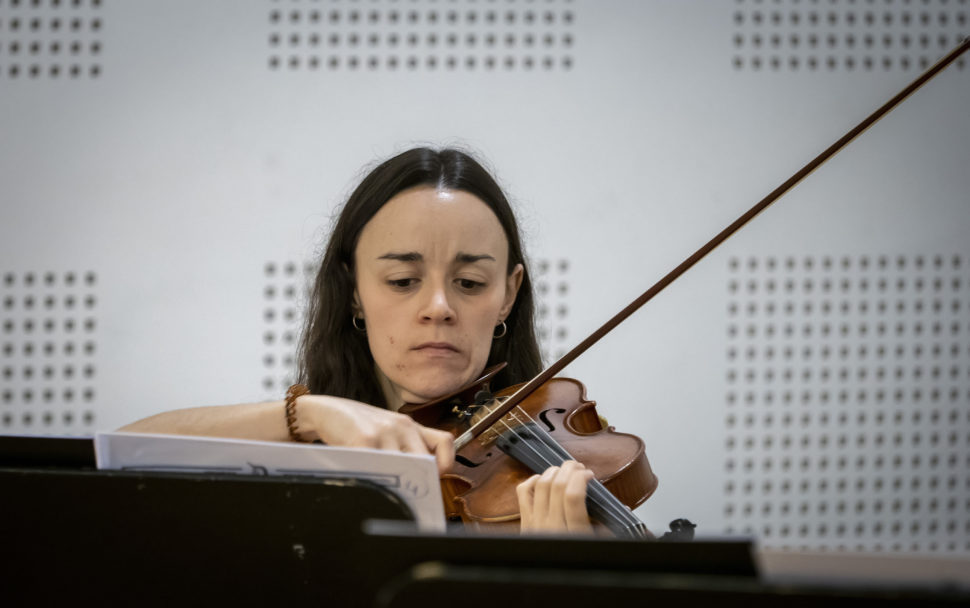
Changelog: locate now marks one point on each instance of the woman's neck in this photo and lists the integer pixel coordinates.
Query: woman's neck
(391, 397)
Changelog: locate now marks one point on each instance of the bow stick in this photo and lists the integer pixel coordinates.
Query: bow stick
(530, 387)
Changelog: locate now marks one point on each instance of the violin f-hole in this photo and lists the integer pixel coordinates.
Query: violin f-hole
(468, 463)
(544, 416)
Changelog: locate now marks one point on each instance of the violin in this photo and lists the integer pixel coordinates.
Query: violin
(554, 424)
(502, 439)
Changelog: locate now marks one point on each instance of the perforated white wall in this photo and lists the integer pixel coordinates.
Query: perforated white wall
(390, 35)
(809, 383)
(50, 351)
(285, 295)
(848, 379)
(56, 39)
(793, 35)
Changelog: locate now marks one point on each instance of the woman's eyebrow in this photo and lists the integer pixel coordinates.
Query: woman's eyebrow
(411, 256)
(414, 256)
(471, 258)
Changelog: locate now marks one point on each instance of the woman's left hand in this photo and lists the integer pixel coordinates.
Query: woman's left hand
(556, 500)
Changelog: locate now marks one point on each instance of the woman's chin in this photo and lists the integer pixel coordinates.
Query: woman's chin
(426, 395)
(427, 380)
(433, 388)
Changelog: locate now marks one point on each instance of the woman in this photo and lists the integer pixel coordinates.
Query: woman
(423, 285)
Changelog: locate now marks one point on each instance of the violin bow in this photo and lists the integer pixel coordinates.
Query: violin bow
(531, 386)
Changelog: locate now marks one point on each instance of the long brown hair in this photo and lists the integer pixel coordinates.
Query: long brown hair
(335, 358)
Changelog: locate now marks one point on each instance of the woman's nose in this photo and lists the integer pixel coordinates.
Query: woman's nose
(438, 306)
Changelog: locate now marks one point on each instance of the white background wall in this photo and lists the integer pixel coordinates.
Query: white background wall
(177, 164)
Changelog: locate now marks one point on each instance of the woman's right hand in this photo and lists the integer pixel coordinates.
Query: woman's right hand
(345, 422)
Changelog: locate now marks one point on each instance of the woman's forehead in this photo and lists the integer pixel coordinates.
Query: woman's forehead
(433, 222)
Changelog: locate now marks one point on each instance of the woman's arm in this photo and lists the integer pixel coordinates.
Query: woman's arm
(333, 420)
(264, 421)
(552, 502)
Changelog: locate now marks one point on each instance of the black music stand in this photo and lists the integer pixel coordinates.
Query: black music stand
(512, 572)
(72, 532)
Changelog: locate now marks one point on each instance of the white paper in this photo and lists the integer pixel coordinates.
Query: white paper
(412, 477)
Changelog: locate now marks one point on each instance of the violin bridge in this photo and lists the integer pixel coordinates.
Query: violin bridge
(503, 424)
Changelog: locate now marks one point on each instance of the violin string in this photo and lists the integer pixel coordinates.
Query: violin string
(597, 493)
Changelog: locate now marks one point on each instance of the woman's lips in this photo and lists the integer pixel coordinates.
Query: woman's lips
(436, 348)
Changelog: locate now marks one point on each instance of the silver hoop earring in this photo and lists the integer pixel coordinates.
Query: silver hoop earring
(362, 328)
(505, 329)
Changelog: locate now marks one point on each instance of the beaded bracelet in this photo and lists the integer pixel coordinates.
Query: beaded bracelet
(292, 393)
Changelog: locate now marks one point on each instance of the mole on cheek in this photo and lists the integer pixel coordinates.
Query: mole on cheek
(391, 339)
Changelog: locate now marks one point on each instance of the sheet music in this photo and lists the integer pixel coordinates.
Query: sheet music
(412, 477)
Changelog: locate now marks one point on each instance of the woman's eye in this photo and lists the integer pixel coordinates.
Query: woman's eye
(401, 283)
(468, 284)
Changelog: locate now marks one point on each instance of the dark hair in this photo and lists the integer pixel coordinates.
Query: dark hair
(335, 358)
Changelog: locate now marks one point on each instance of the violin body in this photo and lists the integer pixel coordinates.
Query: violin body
(481, 486)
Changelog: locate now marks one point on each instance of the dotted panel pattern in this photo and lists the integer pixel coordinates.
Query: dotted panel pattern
(848, 35)
(50, 39)
(288, 284)
(422, 35)
(552, 307)
(848, 402)
(48, 336)
(285, 292)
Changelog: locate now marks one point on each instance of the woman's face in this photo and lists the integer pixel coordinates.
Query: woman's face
(431, 287)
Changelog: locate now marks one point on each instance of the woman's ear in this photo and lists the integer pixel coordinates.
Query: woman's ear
(512, 284)
(355, 306)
